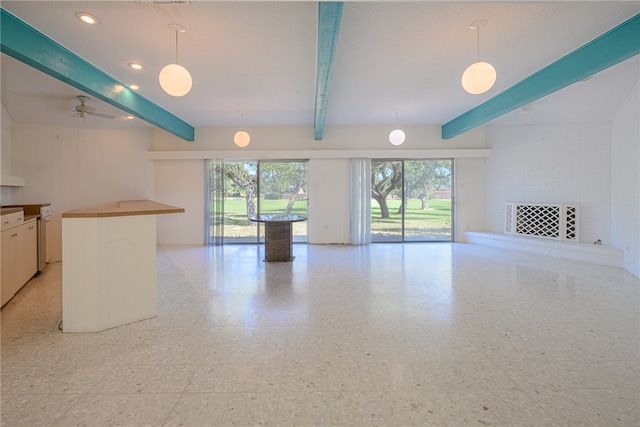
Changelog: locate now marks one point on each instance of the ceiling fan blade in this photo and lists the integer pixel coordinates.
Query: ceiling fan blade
(88, 109)
(106, 116)
(76, 115)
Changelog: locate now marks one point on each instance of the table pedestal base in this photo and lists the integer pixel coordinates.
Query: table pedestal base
(278, 242)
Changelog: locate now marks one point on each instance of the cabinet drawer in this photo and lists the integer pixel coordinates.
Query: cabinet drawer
(12, 220)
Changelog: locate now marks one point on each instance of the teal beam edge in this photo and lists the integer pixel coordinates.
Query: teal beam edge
(28, 45)
(614, 46)
(329, 17)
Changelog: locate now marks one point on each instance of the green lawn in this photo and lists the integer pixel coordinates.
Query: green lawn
(431, 224)
(235, 216)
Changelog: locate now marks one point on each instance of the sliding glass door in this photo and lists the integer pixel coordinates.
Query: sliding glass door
(411, 200)
(283, 191)
(240, 190)
(386, 195)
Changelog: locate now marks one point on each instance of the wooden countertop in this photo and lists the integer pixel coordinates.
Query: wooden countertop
(11, 210)
(30, 208)
(125, 208)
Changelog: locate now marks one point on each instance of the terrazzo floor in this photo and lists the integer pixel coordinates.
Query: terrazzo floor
(379, 335)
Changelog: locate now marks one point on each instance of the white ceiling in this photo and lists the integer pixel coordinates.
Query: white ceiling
(260, 57)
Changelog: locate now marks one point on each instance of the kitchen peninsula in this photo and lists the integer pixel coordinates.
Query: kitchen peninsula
(109, 265)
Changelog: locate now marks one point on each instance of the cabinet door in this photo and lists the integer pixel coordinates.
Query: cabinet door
(27, 252)
(8, 265)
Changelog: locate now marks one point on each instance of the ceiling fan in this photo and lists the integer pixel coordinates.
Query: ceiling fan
(82, 110)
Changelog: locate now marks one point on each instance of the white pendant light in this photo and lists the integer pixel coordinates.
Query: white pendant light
(480, 76)
(241, 138)
(397, 136)
(174, 78)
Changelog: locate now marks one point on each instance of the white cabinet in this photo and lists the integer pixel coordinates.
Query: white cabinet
(27, 264)
(13, 219)
(19, 256)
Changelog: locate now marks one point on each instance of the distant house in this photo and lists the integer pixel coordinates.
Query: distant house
(442, 194)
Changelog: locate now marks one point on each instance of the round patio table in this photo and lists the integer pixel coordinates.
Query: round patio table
(278, 239)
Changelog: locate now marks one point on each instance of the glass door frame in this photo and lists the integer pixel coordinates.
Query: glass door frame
(260, 236)
(215, 219)
(402, 238)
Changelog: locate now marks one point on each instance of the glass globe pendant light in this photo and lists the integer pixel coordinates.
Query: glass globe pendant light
(174, 78)
(480, 76)
(241, 138)
(397, 136)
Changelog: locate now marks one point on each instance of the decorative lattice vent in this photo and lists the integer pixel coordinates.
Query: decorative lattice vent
(509, 217)
(550, 221)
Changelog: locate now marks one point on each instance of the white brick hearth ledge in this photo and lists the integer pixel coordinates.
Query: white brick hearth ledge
(595, 254)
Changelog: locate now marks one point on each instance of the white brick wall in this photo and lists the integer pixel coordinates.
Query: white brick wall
(625, 181)
(552, 164)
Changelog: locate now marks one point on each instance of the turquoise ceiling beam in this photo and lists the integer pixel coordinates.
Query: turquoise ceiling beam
(28, 45)
(329, 17)
(612, 47)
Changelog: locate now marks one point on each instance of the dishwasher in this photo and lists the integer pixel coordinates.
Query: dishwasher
(43, 232)
(44, 219)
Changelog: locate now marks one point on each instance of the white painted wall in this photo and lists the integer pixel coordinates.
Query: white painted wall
(625, 181)
(335, 138)
(328, 178)
(552, 164)
(77, 168)
(329, 219)
(181, 183)
(5, 154)
(469, 196)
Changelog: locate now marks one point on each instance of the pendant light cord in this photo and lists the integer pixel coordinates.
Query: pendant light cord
(176, 46)
(478, 43)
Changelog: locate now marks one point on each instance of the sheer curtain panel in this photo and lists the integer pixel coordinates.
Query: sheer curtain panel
(215, 202)
(360, 201)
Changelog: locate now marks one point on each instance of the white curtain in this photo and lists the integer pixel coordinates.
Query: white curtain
(214, 171)
(360, 201)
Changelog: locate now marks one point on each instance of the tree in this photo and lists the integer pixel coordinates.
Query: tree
(386, 177)
(277, 180)
(242, 174)
(424, 177)
(283, 180)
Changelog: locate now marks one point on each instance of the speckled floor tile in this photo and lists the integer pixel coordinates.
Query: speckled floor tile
(120, 409)
(145, 379)
(384, 335)
(591, 407)
(303, 409)
(198, 409)
(34, 410)
(250, 409)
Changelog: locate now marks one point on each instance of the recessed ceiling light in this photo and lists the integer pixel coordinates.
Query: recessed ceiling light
(87, 18)
(135, 66)
(134, 86)
(129, 117)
